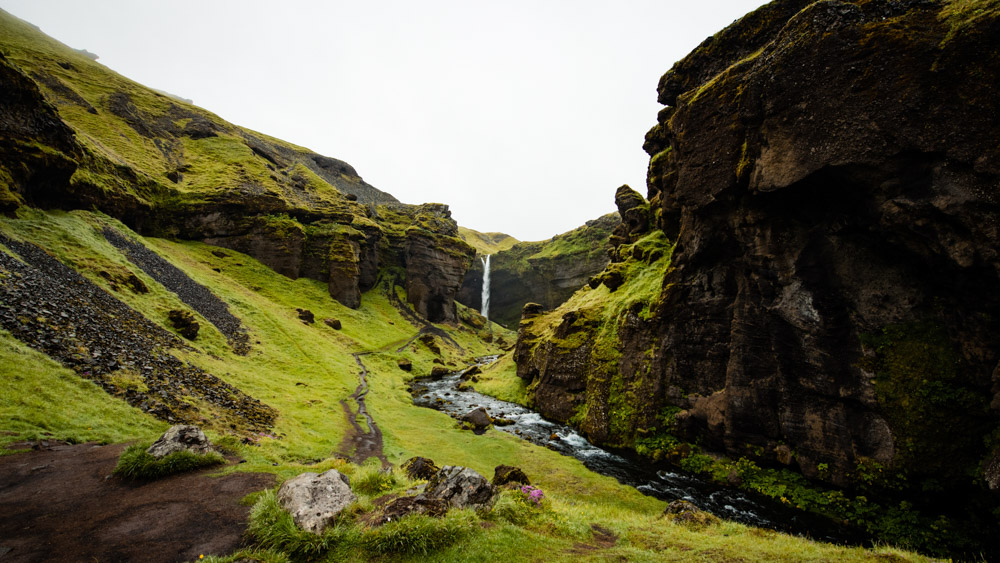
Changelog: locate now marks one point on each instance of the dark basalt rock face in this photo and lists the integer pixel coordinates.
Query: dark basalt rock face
(546, 272)
(830, 174)
(836, 203)
(27, 123)
(436, 261)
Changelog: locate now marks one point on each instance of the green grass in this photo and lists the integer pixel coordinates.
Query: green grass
(486, 243)
(515, 530)
(137, 465)
(34, 392)
(500, 380)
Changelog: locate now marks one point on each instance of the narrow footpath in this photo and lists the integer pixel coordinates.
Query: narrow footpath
(360, 444)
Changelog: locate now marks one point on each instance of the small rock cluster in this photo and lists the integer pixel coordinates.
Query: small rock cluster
(315, 501)
(54, 309)
(193, 294)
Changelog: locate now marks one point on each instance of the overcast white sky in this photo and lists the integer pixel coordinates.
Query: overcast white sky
(523, 116)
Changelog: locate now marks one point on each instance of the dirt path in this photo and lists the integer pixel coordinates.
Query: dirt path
(359, 445)
(60, 504)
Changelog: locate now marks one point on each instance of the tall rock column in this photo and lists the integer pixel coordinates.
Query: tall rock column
(436, 262)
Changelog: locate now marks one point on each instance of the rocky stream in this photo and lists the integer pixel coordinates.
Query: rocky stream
(662, 482)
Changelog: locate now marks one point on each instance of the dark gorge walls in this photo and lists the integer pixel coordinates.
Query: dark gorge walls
(828, 172)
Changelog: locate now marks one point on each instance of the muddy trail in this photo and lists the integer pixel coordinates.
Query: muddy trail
(60, 503)
(360, 444)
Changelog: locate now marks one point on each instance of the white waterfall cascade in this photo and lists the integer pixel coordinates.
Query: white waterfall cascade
(485, 311)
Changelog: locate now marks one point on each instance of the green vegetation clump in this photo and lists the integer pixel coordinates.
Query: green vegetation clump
(137, 465)
(371, 479)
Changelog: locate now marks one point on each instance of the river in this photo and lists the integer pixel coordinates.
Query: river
(656, 481)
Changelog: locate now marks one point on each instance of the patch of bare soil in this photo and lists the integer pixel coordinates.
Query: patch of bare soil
(603, 539)
(61, 503)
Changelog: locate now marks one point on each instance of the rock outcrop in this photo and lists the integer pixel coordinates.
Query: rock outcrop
(436, 261)
(315, 500)
(459, 487)
(829, 173)
(546, 272)
(180, 438)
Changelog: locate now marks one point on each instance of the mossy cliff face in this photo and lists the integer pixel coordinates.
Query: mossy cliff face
(546, 272)
(829, 173)
(436, 260)
(75, 135)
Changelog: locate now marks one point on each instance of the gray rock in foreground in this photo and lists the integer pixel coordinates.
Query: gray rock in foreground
(315, 501)
(460, 487)
(180, 438)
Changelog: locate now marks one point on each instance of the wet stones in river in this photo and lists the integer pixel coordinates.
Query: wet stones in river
(471, 373)
(315, 501)
(504, 474)
(420, 468)
(478, 419)
(184, 323)
(179, 438)
(437, 372)
(459, 487)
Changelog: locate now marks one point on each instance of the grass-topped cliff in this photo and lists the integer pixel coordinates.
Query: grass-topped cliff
(826, 174)
(96, 140)
(547, 272)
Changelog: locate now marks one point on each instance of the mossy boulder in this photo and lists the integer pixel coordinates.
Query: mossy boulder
(184, 322)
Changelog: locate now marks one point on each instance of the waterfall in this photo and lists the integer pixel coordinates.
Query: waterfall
(485, 311)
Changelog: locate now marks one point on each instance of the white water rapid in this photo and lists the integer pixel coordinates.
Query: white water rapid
(485, 311)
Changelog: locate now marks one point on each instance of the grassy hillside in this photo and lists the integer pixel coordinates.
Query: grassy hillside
(176, 153)
(486, 243)
(304, 370)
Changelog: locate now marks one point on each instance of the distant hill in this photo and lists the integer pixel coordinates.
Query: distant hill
(486, 243)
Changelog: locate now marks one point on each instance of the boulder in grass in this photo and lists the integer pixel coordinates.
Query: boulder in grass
(420, 468)
(459, 487)
(184, 322)
(504, 474)
(315, 500)
(335, 324)
(405, 506)
(479, 419)
(180, 438)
